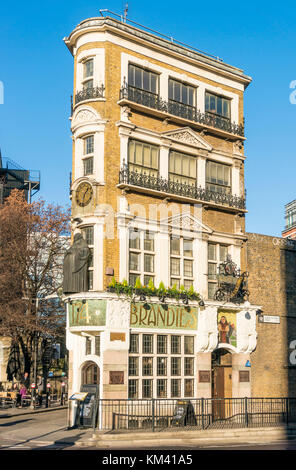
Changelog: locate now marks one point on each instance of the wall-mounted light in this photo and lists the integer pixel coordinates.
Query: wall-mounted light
(77, 220)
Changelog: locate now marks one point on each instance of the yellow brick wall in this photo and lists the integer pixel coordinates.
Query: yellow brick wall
(110, 111)
(272, 281)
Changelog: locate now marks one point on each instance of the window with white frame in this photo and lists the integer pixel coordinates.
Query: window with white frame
(88, 155)
(217, 253)
(143, 158)
(141, 256)
(181, 262)
(88, 74)
(182, 168)
(93, 345)
(181, 93)
(218, 177)
(161, 366)
(142, 79)
(88, 235)
(218, 105)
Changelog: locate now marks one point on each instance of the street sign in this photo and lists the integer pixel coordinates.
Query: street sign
(48, 385)
(33, 385)
(269, 319)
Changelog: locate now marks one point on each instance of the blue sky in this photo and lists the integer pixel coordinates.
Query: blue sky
(36, 69)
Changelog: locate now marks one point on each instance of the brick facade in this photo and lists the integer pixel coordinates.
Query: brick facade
(272, 284)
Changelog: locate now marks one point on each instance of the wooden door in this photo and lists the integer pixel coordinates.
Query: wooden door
(218, 384)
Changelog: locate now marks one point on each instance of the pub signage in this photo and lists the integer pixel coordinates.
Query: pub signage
(163, 316)
(87, 313)
(116, 377)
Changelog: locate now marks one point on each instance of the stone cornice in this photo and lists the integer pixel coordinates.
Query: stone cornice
(155, 42)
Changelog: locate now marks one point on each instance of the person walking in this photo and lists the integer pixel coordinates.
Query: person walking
(26, 380)
(23, 393)
(40, 389)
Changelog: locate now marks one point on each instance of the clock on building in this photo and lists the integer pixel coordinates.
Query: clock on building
(84, 194)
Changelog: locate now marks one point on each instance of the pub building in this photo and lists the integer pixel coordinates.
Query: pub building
(158, 196)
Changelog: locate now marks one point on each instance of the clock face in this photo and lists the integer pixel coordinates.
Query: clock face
(84, 194)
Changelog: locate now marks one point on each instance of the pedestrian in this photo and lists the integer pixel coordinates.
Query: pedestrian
(26, 380)
(16, 389)
(23, 393)
(40, 387)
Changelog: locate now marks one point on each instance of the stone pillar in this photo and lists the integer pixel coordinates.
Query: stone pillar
(241, 387)
(203, 375)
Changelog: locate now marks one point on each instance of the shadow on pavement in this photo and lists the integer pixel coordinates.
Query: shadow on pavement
(13, 423)
(62, 444)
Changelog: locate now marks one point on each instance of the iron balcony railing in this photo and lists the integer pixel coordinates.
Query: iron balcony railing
(189, 414)
(158, 183)
(154, 101)
(90, 93)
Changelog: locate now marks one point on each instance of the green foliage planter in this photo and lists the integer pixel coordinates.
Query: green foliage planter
(151, 291)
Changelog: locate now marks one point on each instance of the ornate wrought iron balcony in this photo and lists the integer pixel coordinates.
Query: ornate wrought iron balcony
(151, 100)
(157, 183)
(90, 93)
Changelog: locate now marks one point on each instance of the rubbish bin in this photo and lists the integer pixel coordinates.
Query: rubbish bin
(73, 413)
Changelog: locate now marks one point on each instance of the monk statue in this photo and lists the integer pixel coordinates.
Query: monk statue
(75, 266)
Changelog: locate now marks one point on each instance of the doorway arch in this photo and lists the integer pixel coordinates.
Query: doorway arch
(221, 373)
(221, 383)
(90, 374)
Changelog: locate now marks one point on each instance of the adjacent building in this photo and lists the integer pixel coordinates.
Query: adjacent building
(290, 218)
(13, 176)
(158, 193)
(272, 284)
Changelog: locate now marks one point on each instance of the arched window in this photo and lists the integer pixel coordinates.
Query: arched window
(90, 374)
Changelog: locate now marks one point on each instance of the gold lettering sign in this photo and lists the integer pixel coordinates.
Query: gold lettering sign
(244, 376)
(204, 376)
(116, 378)
(117, 336)
(144, 315)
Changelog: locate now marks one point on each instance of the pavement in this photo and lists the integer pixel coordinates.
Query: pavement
(47, 428)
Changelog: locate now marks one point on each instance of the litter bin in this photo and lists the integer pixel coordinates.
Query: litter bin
(73, 413)
(74, 407)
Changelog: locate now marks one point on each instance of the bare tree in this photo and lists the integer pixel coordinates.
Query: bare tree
(33, 239)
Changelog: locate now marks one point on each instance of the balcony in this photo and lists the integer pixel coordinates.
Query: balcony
(159, 186)
(90, 94)
(179, 112)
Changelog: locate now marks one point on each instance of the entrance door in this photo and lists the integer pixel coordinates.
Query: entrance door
(90, 374)
(221, 383)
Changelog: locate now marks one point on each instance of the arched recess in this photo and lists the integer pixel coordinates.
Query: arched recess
(221, 381)
(90, 373)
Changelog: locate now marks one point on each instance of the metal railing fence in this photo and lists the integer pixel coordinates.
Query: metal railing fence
(201, 413)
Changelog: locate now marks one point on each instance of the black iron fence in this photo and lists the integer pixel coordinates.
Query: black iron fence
(154, 101)
(203, 413)
(157, 183)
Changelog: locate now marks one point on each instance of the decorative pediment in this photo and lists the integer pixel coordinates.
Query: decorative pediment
(85, 115)
(188, 137)
(186, 222)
